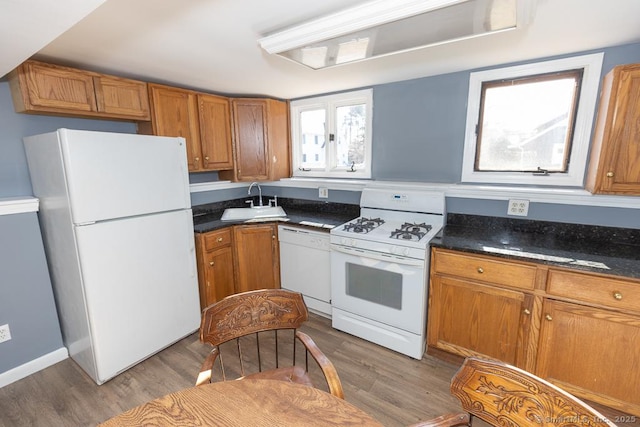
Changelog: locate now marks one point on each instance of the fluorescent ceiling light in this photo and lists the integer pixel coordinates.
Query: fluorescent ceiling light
(385, 27)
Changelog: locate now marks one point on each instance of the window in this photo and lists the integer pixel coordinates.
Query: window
(531, 124)
(340, 126)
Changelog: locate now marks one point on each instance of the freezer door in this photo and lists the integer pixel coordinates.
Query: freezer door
(115, 175)
(140, 285)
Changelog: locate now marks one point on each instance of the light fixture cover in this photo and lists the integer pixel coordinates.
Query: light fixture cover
(385, 27)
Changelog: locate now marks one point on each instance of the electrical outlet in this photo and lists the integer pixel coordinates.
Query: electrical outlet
(518, 207)
(5, 333)
(323, 192)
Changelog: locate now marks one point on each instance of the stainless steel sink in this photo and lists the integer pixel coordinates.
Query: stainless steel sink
(241, 214)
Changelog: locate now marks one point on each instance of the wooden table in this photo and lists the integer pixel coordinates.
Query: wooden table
(245, 403)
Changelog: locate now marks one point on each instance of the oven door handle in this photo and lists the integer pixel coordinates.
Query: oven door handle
(380, 257)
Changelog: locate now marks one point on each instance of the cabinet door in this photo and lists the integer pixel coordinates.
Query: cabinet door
(219, 279)
(591, 352)
(256, 257)
(615, 158)
(174, 113)
(51, 88)
(467, 318)
(250, 126)
(124, 98)
(215, 132)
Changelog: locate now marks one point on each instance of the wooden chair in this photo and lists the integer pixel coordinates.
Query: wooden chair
(270, 317)
(503, 395)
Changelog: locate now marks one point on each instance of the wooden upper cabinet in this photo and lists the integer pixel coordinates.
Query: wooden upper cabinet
(203, 120)
(122, 97)
(261, 140)
(215, 132)
(42, 88)
(615, 153)
(174, 113)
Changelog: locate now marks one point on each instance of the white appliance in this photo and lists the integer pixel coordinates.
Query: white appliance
(380, 268)
(305, 266)
(118, 233)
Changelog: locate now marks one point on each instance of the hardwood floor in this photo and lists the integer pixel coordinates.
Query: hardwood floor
(393, 388)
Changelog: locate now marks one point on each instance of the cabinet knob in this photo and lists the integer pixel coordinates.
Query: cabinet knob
(219, 239)
(617, 295)
(526, 311)
(206, 157)
(197, 159)
(273, 237)
(610, 174)
(480, 270)
(211, 263)
(548, 317)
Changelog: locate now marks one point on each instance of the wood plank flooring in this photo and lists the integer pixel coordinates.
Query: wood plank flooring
(395, 389)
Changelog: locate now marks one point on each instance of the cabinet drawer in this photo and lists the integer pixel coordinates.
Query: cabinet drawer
(595, 289)
(487, 270)
(217, 239)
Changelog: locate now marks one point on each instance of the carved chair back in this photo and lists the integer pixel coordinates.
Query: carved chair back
(503, 395)
(255, 335)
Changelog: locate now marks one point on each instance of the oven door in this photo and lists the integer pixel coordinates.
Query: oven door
(380, 287)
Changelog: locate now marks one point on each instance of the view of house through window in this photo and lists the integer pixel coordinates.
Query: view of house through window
(531, 123)
(331, 135)
(526, 124)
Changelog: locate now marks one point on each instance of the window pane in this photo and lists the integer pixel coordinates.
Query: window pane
(350, 128)
(526, 124)
(312, 125)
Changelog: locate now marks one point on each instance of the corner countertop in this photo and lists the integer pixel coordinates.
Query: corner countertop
(320, 216)
(606, 250)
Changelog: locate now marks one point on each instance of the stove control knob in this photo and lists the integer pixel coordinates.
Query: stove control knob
(343, 241)
(354, 242)
(405, 251)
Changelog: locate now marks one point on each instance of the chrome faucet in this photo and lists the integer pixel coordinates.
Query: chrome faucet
(259, 192)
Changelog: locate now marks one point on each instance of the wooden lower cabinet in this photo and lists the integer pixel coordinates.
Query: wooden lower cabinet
(468, 319)
(591, 352)
(219, 279)
(216, 275)
(236, 259)
(257, 260)
(579, 330)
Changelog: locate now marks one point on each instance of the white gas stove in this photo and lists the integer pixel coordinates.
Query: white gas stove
(379, 267)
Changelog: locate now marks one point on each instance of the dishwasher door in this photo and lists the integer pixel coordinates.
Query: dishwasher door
(305, 266)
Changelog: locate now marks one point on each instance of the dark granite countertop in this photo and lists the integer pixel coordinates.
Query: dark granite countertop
(606, 250)
(320, 216)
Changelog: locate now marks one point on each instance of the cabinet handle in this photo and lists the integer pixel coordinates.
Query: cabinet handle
(548, 317)
(211, 263)
(617, 295)
(527, 311)
(610, 174)
(219, 239)
(480, 270)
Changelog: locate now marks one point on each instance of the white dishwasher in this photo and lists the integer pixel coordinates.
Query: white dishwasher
(305, 266)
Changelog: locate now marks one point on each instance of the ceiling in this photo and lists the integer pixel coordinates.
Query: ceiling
(211, 45)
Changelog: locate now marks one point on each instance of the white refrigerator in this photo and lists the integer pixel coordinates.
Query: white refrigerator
(116, 220)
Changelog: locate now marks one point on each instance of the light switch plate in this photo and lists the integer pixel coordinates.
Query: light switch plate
(323, 192)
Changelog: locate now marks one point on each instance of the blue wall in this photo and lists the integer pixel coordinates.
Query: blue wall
(418, 136)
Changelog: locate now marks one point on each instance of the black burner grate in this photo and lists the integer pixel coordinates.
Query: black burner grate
(363, 225)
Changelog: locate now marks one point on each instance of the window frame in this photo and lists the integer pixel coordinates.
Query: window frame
(584, 119)
(330, 103)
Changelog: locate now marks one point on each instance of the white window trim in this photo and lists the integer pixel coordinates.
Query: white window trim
(592, 65)
(330, 102)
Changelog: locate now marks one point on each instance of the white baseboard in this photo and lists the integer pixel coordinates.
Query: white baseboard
(33, 366)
